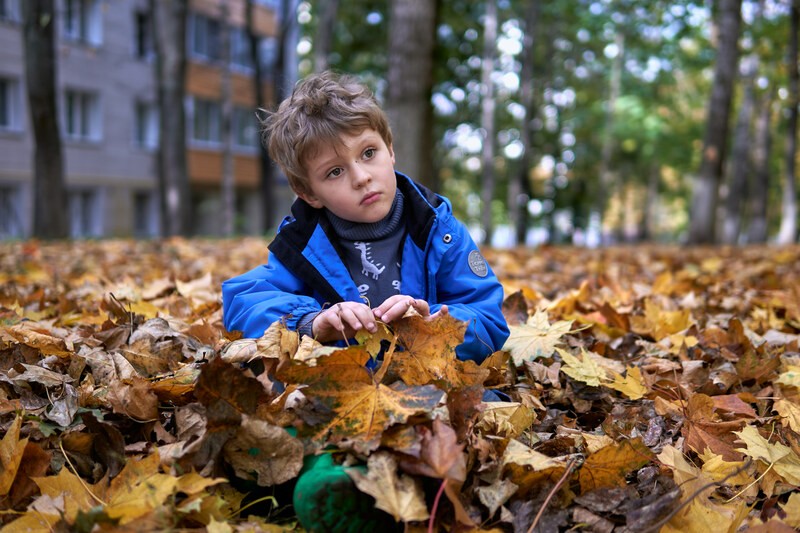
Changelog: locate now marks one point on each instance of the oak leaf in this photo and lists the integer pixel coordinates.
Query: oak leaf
(536, 338)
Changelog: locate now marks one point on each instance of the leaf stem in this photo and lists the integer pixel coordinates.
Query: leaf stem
(553, 491)
(85, 486)
(387, 358)
(436, 505)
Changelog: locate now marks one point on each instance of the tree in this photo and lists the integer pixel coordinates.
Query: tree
(519, 190)
(740, 157)
(757, 228)
(267, 169)
(170, 18)
(49, 209)
(226, 130)
(706, 187)
(323, 41)
(487, 117)
(412, 35)
(788, 230)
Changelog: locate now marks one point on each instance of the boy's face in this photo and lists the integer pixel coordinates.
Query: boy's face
(355, 180)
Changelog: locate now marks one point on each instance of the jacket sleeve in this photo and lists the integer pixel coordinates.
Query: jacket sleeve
(471, 296)
(252, 301)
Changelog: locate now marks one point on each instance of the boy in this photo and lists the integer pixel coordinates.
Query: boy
(364, 243)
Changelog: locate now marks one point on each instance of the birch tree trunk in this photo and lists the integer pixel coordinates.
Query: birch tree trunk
(705, 196)
(170, 18)
(788, 231)
(487, 118)
(608, 184)
(412, 35)
(50, 219)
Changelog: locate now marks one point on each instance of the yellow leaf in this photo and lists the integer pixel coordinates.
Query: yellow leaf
(632, 385)
(789, 413)
(660, 323)
(78, 495)
(790, 376)
(717, 468)
(609, 466)
(506, 419)
(786, 462)
(11, 451)
(701, 516)
(536, 338)
(682, 470)
(792, 510)
(400, 496)
(585, 369)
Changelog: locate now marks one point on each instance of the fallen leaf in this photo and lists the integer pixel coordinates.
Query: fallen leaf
(536, 338)
(400, 496)
(609, 466)
(264, 453)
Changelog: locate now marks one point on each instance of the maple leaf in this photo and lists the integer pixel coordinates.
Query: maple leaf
(789, 413)
(632, 385)
(430, 353)
(536, 338)
(703, 428)
(585, 369)
(360, 409)
(608, 466)
(528, 468)
(400, 496)
(660, 323)
(784, 460)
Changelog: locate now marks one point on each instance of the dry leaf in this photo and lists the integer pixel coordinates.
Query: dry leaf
(400, 496)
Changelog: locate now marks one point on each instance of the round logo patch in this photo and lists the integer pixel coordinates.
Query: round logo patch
(477, 264)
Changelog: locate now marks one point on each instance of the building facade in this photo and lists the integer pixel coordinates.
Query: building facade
(108, 115)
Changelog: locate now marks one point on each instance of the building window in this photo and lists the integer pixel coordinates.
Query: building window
(206, 121)
(9, 10)
(83, 21)
(10, 212)
(10, 105)
(204, 35)
(84, 214)
(81, 116)
(245, 127)
(146, 125)
(144, 214)
(240, 49)
(143, 45)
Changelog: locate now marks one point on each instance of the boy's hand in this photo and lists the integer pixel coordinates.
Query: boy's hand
(342, 321)
(396, 306)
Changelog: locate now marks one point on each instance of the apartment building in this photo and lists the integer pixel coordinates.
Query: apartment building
(109, 117)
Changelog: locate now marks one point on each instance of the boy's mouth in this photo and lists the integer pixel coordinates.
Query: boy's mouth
(370, 198)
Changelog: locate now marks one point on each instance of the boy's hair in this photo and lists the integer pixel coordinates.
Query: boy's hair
(320, 110)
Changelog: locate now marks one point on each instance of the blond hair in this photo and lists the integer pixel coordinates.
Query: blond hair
(321, 109)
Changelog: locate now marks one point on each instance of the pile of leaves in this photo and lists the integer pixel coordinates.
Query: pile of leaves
(652, 388)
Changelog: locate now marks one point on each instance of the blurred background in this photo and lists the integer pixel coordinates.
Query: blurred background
(586, 122)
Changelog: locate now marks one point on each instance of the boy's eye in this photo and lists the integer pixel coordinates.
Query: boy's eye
(335, 173)
(369, 153)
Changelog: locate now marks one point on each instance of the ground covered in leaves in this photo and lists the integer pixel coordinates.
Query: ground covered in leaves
(652, 388)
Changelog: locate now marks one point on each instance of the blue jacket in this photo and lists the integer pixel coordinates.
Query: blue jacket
(440, 264)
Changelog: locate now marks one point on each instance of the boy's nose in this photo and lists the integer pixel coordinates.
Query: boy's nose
(360, 176)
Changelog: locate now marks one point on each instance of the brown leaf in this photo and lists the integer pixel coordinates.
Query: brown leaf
(440, 455)
(360, 409)
(703, 429)
(609, 466)
(11, 451)
(264, 453)
(430, 356)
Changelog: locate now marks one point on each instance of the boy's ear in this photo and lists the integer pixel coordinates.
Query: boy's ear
(391, 152)
(310, 199)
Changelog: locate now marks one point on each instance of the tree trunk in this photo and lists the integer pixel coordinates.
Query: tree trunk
(757, 229)
(740, 158)
(788, 231)
(49, 210)
(267, 169)
(487, 117)
(228, 179)
(702, 226)
(519, 190)
(649, 220)
(170, 18)
(607, 184)
(412, 35)
(323, 39)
